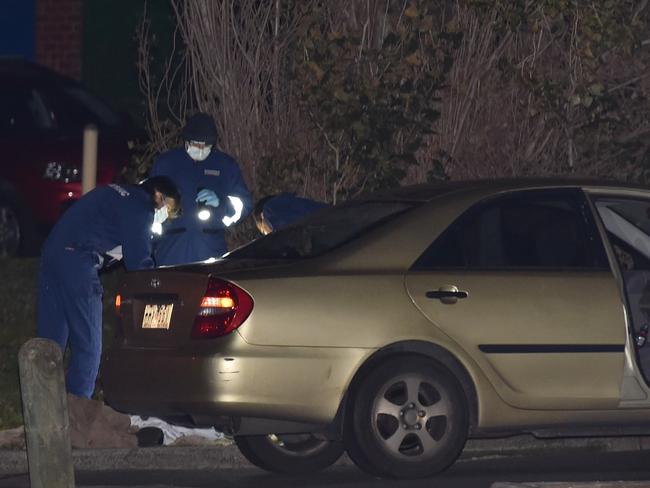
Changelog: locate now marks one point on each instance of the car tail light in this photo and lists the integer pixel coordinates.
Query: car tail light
(223, 308)
(118, 302)
(66, 173)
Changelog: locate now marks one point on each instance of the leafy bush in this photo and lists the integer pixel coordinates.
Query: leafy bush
(328, 98)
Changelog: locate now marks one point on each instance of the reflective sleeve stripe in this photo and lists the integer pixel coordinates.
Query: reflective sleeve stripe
(238, 205)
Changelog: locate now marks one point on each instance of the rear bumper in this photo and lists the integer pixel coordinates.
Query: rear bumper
(283, 383)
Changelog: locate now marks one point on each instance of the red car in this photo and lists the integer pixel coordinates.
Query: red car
(42, 117)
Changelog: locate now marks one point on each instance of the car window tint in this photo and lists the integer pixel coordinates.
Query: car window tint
(100, 112)
(74, 108)
(23, 109)
(527, 230)
(323, 231)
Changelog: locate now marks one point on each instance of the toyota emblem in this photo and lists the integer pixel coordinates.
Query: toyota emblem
(155, 283)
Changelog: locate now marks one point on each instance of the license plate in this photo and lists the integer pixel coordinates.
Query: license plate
(157, 316)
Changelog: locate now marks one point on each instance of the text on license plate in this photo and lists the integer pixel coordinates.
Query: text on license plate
(157, 316)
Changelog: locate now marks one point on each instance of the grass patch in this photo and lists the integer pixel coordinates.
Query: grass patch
(18, 281)
(17, 324)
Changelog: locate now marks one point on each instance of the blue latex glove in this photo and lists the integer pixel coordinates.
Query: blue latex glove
(207, 197)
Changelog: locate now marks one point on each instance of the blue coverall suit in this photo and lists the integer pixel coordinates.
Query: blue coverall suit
(187, 239)
(286, 208)
(69, 307)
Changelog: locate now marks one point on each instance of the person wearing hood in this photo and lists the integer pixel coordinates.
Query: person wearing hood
(276, 212)
(213, 189)
(115, 221)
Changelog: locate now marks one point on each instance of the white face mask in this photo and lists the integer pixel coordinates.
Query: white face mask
(197, 153)
(159, 216)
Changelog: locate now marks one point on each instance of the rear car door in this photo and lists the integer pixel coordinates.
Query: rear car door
(626, 221)
(522, 282)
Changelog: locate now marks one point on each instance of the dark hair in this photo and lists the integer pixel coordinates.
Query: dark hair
(259, 207)
(165, 186)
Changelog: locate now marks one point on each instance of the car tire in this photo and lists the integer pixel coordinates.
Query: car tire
(17, 232)
(407, 418)
(289, 453)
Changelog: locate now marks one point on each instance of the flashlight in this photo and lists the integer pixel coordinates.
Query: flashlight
(203, 213)
(203, 210)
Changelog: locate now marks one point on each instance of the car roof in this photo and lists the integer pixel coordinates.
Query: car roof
(21, 69)
(428, 191)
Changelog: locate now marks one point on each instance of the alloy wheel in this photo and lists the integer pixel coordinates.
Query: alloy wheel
(298, 444)
(411, 416)
(290, 453)
(407, 418)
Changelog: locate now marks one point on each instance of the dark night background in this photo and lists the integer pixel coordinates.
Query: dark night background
(93, 42)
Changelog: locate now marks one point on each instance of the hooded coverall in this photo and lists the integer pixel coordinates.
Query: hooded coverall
(69, 303)
(188, 239)
(286, 208)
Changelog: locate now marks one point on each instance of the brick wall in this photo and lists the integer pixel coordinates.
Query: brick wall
(58, 35)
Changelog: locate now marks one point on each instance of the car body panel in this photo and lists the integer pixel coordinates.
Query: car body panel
(328, 306)
(524, 375)
(255, 381)
(316, 322)
(160, 288)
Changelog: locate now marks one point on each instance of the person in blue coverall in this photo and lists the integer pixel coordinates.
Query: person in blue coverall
(277, 211)
(213, 189)
(113, 220)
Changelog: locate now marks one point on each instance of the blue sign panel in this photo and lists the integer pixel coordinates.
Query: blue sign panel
(17, 19)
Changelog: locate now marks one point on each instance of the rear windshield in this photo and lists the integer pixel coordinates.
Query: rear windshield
(323, 231)
(88, 108)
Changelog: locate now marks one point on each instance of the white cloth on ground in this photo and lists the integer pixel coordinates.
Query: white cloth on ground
(172, 433)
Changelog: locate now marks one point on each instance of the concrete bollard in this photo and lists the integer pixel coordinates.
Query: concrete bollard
(89, 168)
(45, 410)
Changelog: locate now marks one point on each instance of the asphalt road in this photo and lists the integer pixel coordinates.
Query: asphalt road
(573, 465)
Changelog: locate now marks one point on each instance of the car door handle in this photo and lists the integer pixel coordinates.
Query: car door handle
(447, 294)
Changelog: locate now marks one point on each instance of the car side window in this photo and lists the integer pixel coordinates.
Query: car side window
(536, 229)
(74, 108)
(23, 109)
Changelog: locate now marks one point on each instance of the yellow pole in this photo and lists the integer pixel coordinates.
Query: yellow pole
(89, 168)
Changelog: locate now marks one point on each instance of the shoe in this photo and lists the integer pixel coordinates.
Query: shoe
(150, 437)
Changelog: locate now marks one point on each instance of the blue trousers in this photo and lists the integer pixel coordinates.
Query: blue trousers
(69, 312)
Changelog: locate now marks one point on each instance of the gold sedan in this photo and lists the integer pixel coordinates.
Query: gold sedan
(400, 324)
